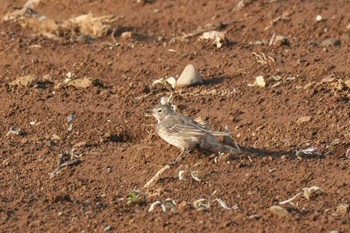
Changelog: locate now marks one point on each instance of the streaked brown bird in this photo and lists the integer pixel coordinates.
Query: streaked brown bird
(186, 134)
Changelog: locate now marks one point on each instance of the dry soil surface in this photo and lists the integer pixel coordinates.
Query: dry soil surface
(76, 177)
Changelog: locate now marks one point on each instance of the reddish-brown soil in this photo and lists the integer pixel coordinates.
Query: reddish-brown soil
(119, 148)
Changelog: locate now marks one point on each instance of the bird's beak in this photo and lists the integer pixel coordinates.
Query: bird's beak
(148, 112)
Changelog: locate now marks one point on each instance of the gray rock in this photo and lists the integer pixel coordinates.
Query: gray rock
(189, 77)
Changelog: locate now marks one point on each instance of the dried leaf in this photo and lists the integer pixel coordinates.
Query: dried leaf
(222, 203)
(165, 81)
(201, 204)
(347, 154)
(309, 192)
(194, 176)
(170, 203)
(153, 205)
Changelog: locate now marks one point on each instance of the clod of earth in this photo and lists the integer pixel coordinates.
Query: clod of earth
(303, 119)
(278, 210)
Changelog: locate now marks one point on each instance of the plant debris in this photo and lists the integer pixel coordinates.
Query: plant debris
(203, 204)
(156, 177)
(312, 191)
(14, 131)
(182, 175)
(66, 159)
(134, 197)
(313, 151)
(217, 37)
(165, 81)
(165, 205)
(259, 82)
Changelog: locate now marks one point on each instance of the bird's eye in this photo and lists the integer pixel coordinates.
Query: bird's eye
(159, 110)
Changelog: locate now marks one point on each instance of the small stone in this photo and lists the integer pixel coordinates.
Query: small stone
(278, 210)
(347, 83)
(59, 214)
(107, 228)
(127, 35)
(330, 42)
(189, 77)
(319, 18)
(281, 40)
(348, 27)
(343, 209)
(303, 119)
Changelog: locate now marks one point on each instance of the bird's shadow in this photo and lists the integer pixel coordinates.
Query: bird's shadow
(278, 154)
(215, 80)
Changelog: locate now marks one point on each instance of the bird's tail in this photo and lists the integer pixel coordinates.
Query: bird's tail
(213, 145)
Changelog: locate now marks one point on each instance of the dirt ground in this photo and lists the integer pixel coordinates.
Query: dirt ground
(76, 177)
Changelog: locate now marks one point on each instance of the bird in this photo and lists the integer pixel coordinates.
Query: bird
(186, 133)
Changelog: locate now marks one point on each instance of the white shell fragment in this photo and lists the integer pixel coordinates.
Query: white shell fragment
(309, 192)
(259, 81)
(189, 77)
(181, 175)
(165, 81)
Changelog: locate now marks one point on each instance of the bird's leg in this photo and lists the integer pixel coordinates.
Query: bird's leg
(180, 155)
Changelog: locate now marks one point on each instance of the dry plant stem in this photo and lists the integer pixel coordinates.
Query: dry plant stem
(201, 31)
(290, 200)
(156, 177)
(66, 164)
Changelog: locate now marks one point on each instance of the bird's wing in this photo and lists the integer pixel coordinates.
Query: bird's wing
(184, 126)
